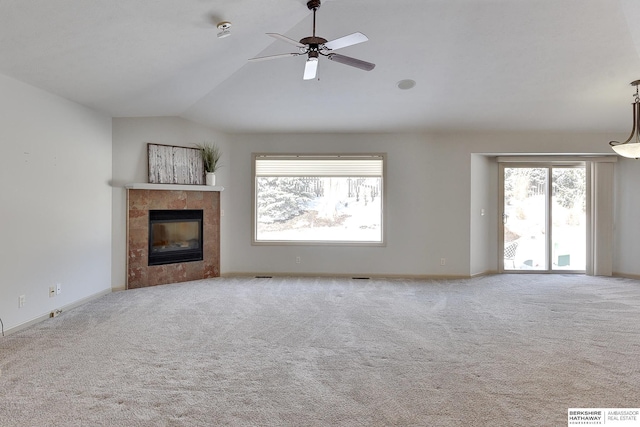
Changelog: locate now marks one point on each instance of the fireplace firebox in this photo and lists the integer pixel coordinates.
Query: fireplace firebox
(175, 236)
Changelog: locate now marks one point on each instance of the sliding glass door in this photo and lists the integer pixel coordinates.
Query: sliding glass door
(544, 221)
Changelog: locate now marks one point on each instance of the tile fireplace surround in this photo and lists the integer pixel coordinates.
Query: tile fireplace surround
(144, 197)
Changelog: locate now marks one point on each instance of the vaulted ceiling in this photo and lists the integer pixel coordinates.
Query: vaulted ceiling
(560, 65)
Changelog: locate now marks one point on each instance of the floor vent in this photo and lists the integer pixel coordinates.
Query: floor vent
(361, 278)
(264, 277)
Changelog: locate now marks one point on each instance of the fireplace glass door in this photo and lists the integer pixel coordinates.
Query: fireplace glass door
(175, 236)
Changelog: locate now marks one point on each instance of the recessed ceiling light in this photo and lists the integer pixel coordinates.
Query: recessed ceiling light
(406, 84)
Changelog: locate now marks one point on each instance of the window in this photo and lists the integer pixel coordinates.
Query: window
(319, 199)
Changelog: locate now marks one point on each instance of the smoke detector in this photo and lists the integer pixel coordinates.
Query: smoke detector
(225, 29)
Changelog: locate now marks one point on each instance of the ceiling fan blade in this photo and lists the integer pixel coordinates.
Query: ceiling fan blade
(345, 41)
(310, 69)
(286, 39)
(358, 63)
(266, 58)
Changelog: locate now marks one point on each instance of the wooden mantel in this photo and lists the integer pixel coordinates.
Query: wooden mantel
(172, 187)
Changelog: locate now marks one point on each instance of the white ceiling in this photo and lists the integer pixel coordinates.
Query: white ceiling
(479, 64)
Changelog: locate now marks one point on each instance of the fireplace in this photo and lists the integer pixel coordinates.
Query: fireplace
(142, 199)
(175, 236)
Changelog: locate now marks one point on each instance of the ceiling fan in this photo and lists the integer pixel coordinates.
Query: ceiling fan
(314, 47)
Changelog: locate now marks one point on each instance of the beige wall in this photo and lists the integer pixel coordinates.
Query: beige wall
(55, 202)
(436, 186)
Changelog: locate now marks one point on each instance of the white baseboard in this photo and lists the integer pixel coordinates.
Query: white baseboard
(43, 317)
(349, 276)
(485, 273)
(626, 275)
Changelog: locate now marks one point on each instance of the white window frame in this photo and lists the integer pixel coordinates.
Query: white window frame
(314, 157)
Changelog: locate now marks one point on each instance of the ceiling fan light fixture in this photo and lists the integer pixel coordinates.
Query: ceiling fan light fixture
(310, 68)
(631, 147)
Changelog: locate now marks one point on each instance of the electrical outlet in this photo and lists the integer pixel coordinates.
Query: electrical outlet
(443, 261)
(221, 212)
(52, 291)
(58, 288)
(297, 260)
(21, 301)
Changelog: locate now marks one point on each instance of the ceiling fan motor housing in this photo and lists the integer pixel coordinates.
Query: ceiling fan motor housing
(313, 4)
(313, 41)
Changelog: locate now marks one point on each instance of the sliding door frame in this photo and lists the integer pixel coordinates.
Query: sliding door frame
(547, 163)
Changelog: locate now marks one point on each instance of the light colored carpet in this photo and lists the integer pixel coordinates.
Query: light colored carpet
(509, 350)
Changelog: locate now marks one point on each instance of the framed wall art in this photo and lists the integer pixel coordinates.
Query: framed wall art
(170, 164)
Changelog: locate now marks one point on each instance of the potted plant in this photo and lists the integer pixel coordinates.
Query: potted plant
(211, 158)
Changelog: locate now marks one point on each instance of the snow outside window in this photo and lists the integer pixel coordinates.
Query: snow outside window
(319, 199)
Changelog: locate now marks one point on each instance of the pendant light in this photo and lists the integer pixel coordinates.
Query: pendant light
(631, 147)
